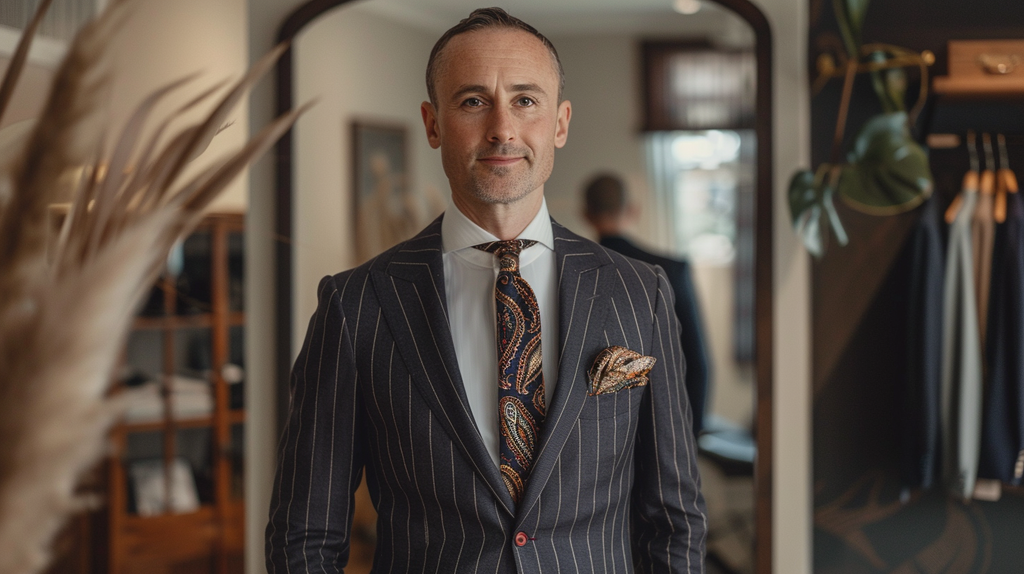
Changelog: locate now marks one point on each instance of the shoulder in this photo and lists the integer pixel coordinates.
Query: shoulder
(421, 247)
(628, 248)
(631, 269)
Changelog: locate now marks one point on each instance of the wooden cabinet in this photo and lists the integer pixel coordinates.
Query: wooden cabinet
(174, 493)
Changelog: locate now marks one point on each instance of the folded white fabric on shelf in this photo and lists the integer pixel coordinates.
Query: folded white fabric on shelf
(189, 398)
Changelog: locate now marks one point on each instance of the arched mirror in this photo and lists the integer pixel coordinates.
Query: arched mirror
(673, 97)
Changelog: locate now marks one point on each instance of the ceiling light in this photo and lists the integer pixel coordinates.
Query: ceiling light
(686, 6)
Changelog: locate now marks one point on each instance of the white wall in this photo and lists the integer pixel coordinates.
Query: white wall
(601, 74)
(358, 65)
(159, 42)
(265, 17)
(791, 482)
(163, 41)
(28, 99)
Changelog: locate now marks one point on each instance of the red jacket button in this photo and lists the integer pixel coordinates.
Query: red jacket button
(521, 539)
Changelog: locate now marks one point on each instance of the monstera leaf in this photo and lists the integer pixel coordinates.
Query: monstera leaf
(888, 171)
(812, 209)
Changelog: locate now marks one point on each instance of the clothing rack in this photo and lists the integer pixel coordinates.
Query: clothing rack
(956, 140)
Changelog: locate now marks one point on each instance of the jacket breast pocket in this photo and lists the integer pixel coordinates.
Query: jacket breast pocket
(612, 404)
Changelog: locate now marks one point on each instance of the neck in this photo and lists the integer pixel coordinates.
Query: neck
(504, 220)
(608, 225)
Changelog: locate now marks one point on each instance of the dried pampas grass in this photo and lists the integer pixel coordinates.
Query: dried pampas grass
(66, 306)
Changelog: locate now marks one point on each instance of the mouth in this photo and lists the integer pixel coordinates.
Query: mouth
(500, 160)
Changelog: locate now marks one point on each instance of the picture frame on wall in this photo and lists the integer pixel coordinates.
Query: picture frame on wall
(385, 211)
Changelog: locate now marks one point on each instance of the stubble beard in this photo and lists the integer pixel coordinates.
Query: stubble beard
(501, 186)
(504, 185)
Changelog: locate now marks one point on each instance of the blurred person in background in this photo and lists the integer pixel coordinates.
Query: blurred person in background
(606, 206)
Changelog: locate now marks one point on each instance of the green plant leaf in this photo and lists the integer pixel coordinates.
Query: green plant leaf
(813, 212)
(850, 17)
(855, 12)
(890, 85)
(888, 172)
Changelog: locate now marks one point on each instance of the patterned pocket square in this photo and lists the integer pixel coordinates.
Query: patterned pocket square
(618, 368)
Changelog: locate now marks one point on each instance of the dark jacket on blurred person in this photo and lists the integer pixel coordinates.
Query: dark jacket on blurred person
(607, 209)
(688, 312)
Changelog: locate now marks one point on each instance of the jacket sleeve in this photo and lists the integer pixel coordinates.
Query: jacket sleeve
(669, 518)
(321, 454)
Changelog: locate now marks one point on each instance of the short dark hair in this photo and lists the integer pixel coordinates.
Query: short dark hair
(605, 194)
(481, 19)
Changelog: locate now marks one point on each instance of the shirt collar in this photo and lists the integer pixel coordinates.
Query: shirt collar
(458, 232)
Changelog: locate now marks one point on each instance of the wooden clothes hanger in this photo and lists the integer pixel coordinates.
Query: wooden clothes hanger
(971, 179)
(1006, 180)
(988, 177)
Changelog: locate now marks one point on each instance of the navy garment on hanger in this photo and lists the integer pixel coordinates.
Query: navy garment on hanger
(1002, 443)
(925, 261)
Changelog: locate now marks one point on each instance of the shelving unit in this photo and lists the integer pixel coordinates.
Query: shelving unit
(980, 69)
(189, 330)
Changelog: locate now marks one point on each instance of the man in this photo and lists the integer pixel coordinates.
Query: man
(409, 357)
(607, 209)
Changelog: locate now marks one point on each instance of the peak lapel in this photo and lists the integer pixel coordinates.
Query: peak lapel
(583, 271)
(411, 291)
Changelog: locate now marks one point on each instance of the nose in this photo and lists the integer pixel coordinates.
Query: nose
(501, 126)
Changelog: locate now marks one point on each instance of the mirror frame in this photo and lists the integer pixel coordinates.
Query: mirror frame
(308, 12)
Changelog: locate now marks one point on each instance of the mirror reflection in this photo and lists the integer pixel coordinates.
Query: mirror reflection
(662, 104)
(659, 166)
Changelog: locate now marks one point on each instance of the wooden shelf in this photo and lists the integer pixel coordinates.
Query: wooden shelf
(989, 68)
(234, 417)
(160, 521)
(199, 321)
(147, 547)
(211, 539)
(985, 87)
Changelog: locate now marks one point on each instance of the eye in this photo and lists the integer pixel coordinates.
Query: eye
(526, 101)
(473, 102)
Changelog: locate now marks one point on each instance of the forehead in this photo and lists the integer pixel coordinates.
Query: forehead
(490, 55)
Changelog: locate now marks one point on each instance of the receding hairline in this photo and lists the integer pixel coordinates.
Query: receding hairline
(480, 20)
(443, 58)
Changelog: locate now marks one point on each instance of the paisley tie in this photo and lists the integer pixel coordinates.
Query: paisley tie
(521, 408)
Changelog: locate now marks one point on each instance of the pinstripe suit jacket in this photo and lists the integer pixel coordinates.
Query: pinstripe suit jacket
(376, 386)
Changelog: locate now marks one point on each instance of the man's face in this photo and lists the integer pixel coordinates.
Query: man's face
(497, 119)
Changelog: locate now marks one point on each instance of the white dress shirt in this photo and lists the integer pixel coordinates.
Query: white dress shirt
(469, 278)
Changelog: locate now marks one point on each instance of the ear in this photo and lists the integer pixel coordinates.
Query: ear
(430, 124)
(562, 123)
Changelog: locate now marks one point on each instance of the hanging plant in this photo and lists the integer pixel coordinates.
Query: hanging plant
(887, 171)
(812, 208)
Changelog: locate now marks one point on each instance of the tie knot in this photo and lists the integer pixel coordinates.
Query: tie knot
(502, 248)
(507, 252)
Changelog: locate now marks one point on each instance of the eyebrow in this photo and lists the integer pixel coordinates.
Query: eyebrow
(475, 88)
